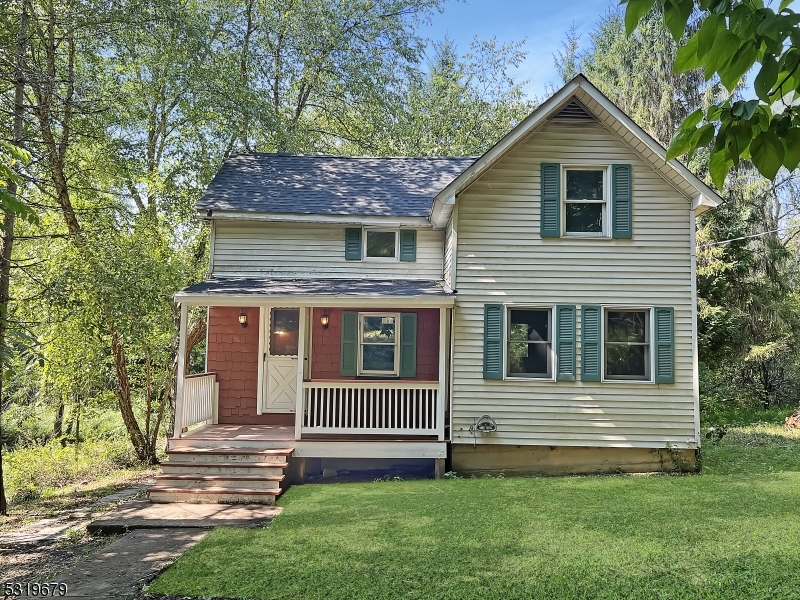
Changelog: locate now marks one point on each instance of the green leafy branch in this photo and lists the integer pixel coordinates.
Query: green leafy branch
(732, 37)
(10, 157)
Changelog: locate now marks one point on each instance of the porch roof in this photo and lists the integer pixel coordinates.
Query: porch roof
(236, 291)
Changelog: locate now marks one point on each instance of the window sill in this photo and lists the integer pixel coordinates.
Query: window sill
(518, 378)
(578, 236)
(627, 381)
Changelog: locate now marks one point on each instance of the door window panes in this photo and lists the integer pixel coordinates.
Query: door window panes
(529, 343)
(284, 327)
(381, 244)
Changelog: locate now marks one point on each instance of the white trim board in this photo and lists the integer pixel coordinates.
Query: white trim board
(250, 300)
(356, 449)
(356, 220)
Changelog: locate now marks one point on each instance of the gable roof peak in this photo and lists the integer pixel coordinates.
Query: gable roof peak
(584, 94)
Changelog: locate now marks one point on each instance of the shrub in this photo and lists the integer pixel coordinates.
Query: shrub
(30, 472)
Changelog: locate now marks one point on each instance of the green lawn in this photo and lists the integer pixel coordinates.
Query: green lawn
(733, 532)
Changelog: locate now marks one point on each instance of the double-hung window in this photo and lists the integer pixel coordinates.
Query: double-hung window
(585, 202)
(627, 344)
(378, 335)
(530, 346)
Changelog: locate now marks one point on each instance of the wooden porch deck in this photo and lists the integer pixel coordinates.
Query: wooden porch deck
(241, 433)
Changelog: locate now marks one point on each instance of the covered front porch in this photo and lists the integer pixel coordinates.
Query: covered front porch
(335, 368)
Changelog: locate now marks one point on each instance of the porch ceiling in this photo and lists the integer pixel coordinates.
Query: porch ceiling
(252, 291)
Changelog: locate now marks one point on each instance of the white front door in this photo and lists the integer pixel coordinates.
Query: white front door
(280, 382)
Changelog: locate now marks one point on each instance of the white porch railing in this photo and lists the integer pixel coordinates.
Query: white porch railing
(372, 407)
(200, 393)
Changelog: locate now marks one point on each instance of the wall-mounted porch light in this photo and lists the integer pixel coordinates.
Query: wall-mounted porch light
(324, 320)
(243, 319)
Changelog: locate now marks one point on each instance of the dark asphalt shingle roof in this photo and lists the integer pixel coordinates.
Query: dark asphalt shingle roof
(334, 288)
(331, 185)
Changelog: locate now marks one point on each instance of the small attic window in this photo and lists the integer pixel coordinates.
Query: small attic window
(574, 111)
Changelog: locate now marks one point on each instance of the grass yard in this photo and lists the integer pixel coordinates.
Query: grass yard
(733, 532)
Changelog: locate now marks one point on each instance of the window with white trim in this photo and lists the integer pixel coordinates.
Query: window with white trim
(585, 202)
(626, 344)
(530, 343)
(380, 243)
(378, 343)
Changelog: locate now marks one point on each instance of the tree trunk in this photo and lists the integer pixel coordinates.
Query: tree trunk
(123, 393)
(7, 235)
(58, 421)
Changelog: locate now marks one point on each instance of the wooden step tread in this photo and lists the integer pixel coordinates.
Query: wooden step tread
(225, 465)
(231, 450)
(214, 490)
(231, 477)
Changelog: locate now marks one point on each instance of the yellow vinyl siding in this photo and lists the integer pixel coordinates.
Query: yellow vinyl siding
(502, 259)
(312, 250)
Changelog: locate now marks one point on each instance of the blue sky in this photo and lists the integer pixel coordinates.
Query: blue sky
(543, 24)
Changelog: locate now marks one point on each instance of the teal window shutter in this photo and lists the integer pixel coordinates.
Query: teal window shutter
(352, 243)
(591, 327)
(565, 342)
(550, 184)
(493, 341)
(408, 345)
(348, 359)
(621, 201)
(408, 245)
(665, 344)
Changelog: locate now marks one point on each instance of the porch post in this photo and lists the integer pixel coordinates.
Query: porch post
(301, 362)
(181, 371)
(440, 404)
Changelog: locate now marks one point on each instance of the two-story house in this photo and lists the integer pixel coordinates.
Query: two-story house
(532, 310)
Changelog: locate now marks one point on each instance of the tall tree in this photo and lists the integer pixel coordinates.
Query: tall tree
(461, 105)
(635, 72)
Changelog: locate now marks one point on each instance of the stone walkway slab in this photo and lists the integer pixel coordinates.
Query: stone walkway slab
(50, 530)
(121, 569)
(143, 514)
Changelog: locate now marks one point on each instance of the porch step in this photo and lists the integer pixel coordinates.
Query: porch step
(213, 495)
(174, 467)
(223, 474)
(230, 454)
(235, 481)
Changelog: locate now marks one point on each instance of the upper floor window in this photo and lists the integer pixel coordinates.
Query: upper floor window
(380, 244)
(585, 202)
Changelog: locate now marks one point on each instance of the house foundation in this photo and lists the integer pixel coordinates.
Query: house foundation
(568, 460)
